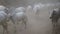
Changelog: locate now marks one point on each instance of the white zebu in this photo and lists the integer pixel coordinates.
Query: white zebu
(3, 18)
(37, 8)
(18, 15)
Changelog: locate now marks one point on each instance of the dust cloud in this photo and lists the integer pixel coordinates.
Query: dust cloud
(36, 24)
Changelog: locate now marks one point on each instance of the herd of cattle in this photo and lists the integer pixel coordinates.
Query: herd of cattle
(18, 14)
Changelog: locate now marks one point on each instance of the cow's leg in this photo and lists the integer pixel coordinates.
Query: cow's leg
(55, 23)
(14, 23)
(54, 28)
(25, 21)
(3, 30)
(25, 24)
(5, 27)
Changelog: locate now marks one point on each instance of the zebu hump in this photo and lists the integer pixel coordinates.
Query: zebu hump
(20, 9)
(2, 7)
(3, 16)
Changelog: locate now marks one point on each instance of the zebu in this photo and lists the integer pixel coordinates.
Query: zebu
(55, 17)
(3, 18)
(18, 15)
(37, 8)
